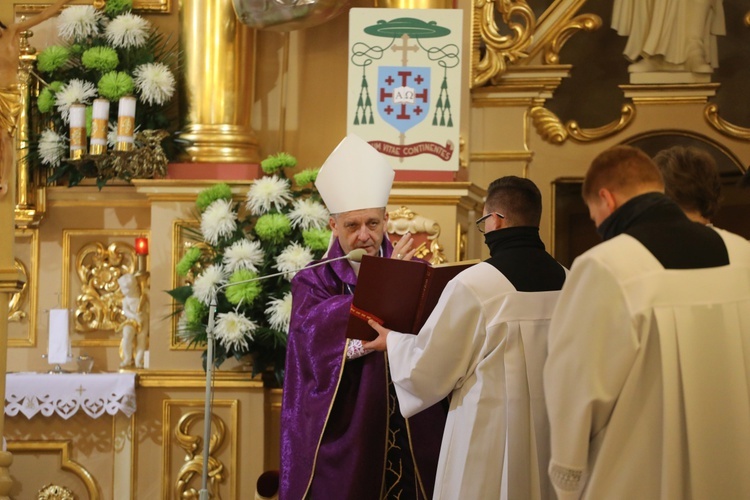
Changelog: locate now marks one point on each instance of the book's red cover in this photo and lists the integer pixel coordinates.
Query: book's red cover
(398, 294)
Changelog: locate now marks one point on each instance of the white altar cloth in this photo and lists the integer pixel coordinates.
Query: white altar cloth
(65, 394)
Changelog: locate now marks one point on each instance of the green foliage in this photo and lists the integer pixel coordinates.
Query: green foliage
(261, 302)
(110, 69)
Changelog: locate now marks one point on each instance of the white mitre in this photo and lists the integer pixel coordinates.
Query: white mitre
(354, 177)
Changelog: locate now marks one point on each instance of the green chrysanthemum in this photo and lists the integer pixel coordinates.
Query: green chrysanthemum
(209, 195)
(89, 119)
(100, 58)
(195, 310)
(316, 239)
(52, 58)
(306, 177)
(114, 8)
(46, 100)
(276, 162)
(273, 227)
(76, 49)
(115, 84)
(243, 293)
(188, 260)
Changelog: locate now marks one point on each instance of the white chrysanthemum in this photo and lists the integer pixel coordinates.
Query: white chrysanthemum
(308, 214)
(205, 284)
(74, 91)
(243, 254)
(218, 221)
(51, 148)
(127, 31)
(233, 329)
(268, 192)
(279, 312)
(292, 259)
(111, 134)
(155, 82)
(184, 332)
(78, 22)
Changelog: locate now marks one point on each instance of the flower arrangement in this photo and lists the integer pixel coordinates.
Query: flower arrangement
(279, 229)
(108, 53)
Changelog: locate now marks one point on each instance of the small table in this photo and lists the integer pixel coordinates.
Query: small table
(65, 394)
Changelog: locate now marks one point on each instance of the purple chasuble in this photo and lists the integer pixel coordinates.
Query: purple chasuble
(334, 416)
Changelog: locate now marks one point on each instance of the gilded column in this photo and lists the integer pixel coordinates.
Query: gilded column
(10, 280)
(30, 185)
(219, 72)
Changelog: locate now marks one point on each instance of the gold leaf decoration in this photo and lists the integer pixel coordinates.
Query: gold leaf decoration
(18, 299)
(492, 51)
(585, 22)
(711, 114)
(551, 129)
(147, 161)
(548, 125)
(98, 306)
(55, 492)
(192, 469)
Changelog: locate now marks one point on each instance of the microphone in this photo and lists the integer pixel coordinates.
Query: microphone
(354, 256)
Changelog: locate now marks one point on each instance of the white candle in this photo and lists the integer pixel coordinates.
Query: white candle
(99, 122)
(125, 123)
(77, 130)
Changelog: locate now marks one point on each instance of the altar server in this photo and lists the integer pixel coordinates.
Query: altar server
(485, 345)
(648, 374)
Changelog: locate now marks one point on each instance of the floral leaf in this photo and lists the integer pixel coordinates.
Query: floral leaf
(181, 293)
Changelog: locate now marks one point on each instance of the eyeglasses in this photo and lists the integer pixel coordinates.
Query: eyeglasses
(480, 221)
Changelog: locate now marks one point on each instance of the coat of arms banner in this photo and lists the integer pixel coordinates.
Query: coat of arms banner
(405, 84)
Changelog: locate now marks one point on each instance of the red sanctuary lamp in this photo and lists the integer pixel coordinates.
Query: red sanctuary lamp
(141, 252)
(141, 246)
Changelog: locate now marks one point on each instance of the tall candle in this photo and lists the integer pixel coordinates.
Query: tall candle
(77, 131)
(99, 122)
(125, 123)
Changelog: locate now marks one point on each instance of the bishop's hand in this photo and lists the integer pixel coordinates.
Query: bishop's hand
(379, 344)
(402, 249)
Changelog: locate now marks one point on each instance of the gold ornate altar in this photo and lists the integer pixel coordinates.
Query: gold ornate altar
(549, 90)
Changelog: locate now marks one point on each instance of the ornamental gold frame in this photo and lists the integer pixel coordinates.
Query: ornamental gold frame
(63, 448)
(175, 344)
(140, 6)
(172, 407)
(67, 266)
(32, 287)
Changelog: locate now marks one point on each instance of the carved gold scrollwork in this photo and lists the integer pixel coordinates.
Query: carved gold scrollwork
(403, 220)
(499, 50)
(711, 114)
(548, 125)
(193, 446)
(18, 299)
(551, 129)
(55, 492)
(99, 304)
(585, 22)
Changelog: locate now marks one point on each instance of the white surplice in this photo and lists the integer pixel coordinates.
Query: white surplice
(485, 344)
(648, 377)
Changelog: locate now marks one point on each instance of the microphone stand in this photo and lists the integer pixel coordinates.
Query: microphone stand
(355, 255)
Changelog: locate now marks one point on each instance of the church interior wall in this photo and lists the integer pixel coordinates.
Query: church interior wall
(299, 106)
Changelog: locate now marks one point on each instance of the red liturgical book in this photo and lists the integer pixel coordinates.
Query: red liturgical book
(398, 294)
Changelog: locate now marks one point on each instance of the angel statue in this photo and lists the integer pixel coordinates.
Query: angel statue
(135, 327)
